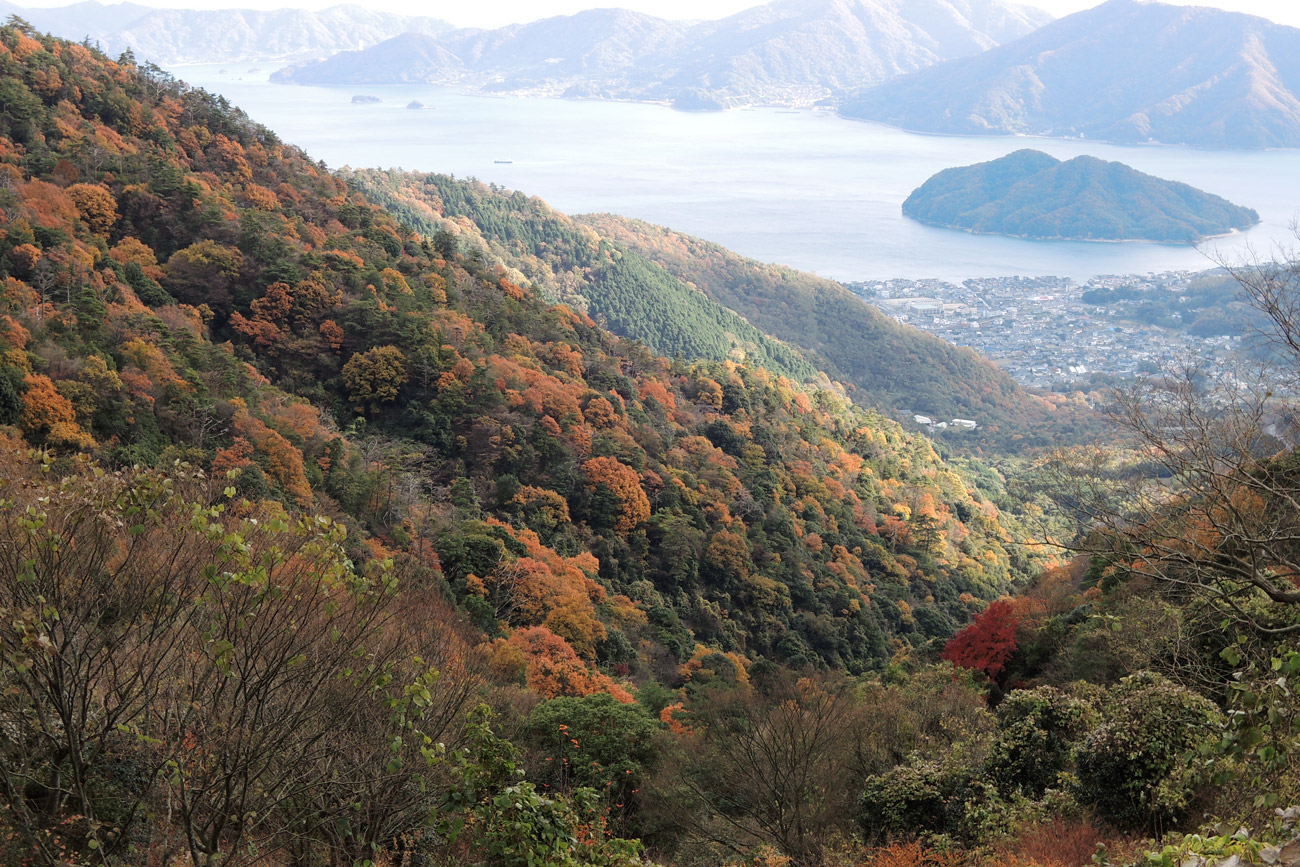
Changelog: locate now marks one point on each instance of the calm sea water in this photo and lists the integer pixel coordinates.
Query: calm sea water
(806, 189)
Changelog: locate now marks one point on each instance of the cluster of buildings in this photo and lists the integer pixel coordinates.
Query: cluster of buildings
(936, 425)
(1041, 331)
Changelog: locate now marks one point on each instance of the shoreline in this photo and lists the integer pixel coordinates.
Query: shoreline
(1057, 239)
(816, 106)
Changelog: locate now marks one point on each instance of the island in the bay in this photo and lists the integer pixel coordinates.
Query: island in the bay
(1030, 194)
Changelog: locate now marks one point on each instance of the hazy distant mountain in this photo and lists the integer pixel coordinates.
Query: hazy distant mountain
(789, 51)
(597, 45)
(1124, 71)
(835, 45)
(1030, 194)
(169, 36)
(79, 18)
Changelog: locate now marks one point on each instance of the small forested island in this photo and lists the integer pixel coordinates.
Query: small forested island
(365, 99)
(1030, 194)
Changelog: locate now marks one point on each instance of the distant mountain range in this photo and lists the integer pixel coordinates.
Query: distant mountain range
(786, 52)
(1031, 194)
(1125, 71)
(172, 36)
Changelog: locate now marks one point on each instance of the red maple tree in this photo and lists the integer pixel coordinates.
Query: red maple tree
(988, 643)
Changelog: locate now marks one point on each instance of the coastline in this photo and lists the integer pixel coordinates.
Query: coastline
(814, 104)
(1056, 239)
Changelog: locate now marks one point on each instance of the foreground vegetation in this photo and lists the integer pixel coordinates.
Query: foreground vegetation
(324, 541)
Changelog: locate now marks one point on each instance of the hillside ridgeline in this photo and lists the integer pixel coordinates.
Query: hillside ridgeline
(682, 295)
(789, 52)
(174, 36)
(1124, 71)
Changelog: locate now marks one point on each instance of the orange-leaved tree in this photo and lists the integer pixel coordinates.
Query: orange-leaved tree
(988, 643)
(616, 480)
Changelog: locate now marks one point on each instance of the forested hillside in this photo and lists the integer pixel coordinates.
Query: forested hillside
(569, 263)
(327, 541)
(891, 365)
(181, 285)
(208, 339)
(682, 295)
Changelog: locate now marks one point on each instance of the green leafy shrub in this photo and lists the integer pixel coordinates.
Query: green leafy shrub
(510, 823)
(597, 742)
(914, 798)
(1038, 731)
(1135, 769)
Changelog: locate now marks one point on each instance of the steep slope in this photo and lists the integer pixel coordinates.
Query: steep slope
(197, 290)
(548, 250)
(1030, 194)
(617, 269)
(788, 51)
(893, 366)
(171, 36)
(1126, 71)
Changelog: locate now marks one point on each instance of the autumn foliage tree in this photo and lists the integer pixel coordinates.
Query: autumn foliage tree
(50, 417)
(375, 376)
(988, 643)
(96, 205)
(554, 669)
(204, 273)
(622, 484)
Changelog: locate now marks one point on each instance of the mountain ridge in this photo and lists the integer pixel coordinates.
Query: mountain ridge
(603, 264)
(169, 36)
(788, 52)
(1124, 71)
